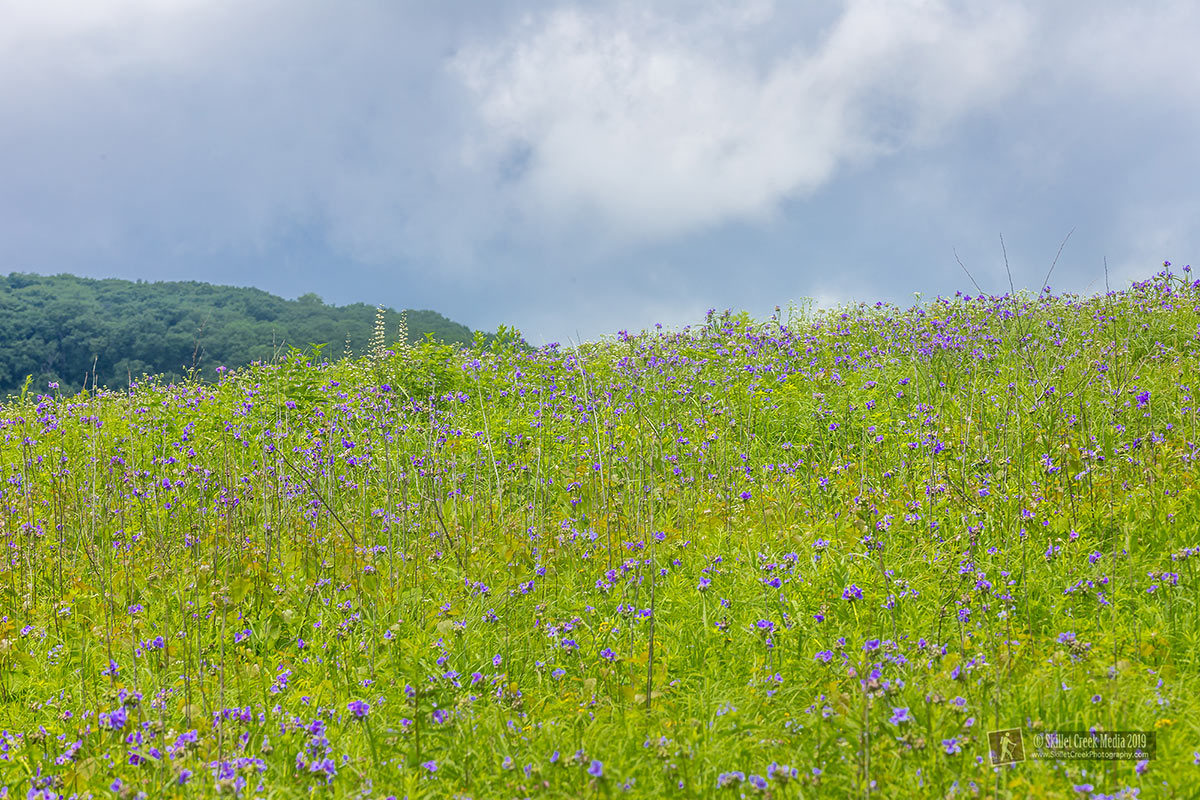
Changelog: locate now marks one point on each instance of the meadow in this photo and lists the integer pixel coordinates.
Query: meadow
(820, 555)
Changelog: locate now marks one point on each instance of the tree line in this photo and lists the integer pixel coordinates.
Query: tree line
(75, 331)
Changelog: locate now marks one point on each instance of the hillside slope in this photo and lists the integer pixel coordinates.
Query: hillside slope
(56, 328)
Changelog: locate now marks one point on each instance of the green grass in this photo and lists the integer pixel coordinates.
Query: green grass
(818, 556)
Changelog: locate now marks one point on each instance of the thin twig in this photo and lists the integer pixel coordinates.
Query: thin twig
(964, 269)
(317, 493)
(1012, 290)
(1046, 281)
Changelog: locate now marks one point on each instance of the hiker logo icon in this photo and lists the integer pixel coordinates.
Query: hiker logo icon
(1007, 746)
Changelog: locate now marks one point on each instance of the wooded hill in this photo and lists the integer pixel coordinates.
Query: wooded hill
(56, 328)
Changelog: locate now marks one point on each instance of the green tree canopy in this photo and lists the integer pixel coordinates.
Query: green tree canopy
(69, 329)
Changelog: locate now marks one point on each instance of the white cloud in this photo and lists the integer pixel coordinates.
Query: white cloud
(642, 127)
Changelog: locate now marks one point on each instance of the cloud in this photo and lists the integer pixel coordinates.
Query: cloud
(640, 127)
(563, 165)
(186, 133)
(1129, 50)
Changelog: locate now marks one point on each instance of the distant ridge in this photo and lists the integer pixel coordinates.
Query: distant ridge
(56, 327)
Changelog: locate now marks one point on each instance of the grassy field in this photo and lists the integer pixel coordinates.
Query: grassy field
(818, 556)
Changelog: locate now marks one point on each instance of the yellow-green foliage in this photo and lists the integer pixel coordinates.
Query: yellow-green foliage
(797, 558)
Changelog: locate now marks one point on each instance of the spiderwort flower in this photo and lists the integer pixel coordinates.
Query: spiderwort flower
(359, 708)
(783, 772)
(730, 778)
(852, 593)
(596, 770)
(114, 720)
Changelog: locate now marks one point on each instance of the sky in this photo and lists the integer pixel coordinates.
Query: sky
(575, 169)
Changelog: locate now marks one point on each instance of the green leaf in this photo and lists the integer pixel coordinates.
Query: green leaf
(240, 588)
